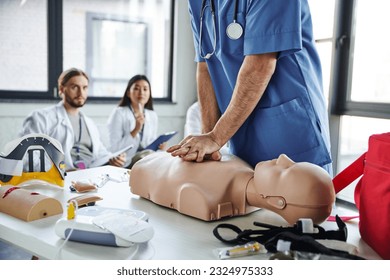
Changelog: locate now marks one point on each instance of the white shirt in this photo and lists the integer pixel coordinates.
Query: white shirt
(54, 122)
(193, 125)
(193, 121)
(121, 122)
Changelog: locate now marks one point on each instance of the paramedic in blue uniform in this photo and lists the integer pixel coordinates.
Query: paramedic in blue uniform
(259, 82)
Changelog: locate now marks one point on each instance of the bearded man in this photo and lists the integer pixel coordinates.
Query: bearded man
(77, 133)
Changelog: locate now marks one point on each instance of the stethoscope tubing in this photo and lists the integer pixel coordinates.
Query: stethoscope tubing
(234, 30)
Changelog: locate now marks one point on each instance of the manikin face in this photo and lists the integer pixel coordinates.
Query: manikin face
(299, 183)
(271, 172)
(139, 93)
(295, 190)
(75, 91)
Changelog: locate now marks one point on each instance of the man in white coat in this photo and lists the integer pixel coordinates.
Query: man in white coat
(77, 133)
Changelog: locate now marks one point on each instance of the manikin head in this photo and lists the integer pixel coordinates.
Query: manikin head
(294, 190)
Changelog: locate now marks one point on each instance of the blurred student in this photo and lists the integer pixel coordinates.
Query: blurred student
(133, 121)
(77, 133)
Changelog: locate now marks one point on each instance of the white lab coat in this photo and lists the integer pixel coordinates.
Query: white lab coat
(193, 121)
(193, 125)
(54, 122)
(121, 122)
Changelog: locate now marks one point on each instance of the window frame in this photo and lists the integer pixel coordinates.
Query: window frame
(55, 62)
(342, 70)
(340, 103)
(91, 17)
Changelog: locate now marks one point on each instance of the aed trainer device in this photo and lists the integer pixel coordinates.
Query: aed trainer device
(106, 226)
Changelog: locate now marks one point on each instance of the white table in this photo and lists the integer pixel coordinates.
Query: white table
(176, 236)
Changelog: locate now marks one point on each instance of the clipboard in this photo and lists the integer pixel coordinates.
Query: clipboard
(161, 139)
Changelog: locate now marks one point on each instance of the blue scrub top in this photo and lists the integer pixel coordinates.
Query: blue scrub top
(291, 117)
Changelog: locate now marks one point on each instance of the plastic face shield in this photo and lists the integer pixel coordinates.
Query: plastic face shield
(32, 157)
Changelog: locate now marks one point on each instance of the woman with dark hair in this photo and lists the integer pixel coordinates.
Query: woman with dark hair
(134, 121)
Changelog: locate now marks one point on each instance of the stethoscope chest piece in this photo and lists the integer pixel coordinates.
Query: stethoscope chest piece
(234, 30)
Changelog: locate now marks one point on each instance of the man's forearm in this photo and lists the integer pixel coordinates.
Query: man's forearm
(206, 97)
(252, 81)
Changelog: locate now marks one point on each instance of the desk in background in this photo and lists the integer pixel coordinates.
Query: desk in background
(176, 236)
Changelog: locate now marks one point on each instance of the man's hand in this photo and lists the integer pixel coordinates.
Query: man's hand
(197, 148)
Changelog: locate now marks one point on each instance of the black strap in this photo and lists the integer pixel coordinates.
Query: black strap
(234, 228)
(269, 231)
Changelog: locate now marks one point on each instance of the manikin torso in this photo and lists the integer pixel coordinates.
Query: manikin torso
(212, 190)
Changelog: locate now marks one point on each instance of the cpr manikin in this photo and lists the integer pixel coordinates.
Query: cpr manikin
(215, 189)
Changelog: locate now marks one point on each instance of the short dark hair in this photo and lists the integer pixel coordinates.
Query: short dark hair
(125, 101)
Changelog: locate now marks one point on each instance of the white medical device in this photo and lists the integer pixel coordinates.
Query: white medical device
(106, 226)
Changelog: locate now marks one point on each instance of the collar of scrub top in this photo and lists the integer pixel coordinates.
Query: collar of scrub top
(234, 30)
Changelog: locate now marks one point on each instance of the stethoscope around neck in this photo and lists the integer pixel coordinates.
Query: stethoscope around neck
(234, 30)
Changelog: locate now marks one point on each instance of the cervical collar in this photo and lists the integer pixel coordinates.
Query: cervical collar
(37, 147)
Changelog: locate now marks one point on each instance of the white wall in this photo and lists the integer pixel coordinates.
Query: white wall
(171, 116)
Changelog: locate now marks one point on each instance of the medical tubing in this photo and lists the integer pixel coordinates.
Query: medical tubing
(57, 255)
(235, 11)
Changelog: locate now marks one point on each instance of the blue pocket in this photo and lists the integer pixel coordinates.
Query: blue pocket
(286, 128)
(227, 45)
